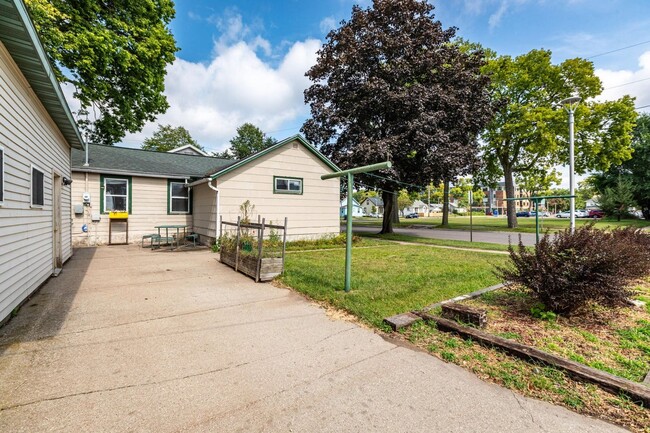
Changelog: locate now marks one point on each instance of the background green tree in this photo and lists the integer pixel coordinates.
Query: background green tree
(168, 138)
(530, 131)
(115, 55)
(636, 169)
(617, 199)
(533, 182)
(249, 139)
(389, 84)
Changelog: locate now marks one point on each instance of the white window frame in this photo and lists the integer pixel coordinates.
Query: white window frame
(172, 197)
(277, 190)
(106, 210)
(31, 186)
(2, 176)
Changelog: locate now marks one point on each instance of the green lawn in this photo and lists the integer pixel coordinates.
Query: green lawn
(439, 242)
(389, 280)
(487, 223)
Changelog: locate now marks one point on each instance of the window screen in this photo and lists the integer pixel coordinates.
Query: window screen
(37, 187)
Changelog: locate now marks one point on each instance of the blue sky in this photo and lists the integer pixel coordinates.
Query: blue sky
(245, 61)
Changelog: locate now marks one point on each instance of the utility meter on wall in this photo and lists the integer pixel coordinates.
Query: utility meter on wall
(86, 197)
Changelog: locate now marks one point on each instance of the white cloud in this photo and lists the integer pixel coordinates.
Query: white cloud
(238, 85)
(327, 24)
(627, 82)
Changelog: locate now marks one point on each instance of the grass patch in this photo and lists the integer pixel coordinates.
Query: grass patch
(439, 242)
(389, 280)
(525, 225)
(530, 379)
(332, 242)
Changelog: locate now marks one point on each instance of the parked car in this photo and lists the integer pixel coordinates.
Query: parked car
(581, 213)
(524, 213)
(564, 214)
(375, 215)
(412, 215)
(596, 213)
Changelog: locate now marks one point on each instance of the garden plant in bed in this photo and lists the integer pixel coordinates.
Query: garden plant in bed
(569, 297)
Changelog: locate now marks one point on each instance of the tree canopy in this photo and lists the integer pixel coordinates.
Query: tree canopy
(115, 55)
(389, 84)
(168, 138)
(249, 139)
(530, 130)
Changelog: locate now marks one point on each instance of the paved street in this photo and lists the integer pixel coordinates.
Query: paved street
(130, 340)
(458, 235)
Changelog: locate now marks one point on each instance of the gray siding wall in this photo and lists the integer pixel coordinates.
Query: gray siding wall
(28, 136)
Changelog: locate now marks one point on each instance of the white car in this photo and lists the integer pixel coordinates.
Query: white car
(564, 214)
(581, 213)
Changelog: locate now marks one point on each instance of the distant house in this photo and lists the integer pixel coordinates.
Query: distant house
(356, 212)
(418, 207)
(373, 205)
(188, 149)
(592, 203)
(37, 131)
(157, 188)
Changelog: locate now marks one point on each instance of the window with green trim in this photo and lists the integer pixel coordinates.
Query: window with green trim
(178, 197)
(287, 185)
(116, 194)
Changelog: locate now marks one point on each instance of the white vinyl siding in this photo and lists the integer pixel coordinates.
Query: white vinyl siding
(149, 208)
(29, 137)
(2, 175)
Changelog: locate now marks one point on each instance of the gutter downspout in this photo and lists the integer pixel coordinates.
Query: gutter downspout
(217, 229)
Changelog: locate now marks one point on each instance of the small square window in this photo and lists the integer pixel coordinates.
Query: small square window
(38, 187)
(287, 185)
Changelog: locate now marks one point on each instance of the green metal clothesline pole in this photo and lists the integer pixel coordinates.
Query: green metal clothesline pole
(536, 200)
(349, 211)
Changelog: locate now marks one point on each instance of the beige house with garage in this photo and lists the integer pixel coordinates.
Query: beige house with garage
(166, 188)
(37, 131)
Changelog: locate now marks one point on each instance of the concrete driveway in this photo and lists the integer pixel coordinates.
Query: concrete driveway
(128, 340)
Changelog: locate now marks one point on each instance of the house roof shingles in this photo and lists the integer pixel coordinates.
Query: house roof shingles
(115, 160)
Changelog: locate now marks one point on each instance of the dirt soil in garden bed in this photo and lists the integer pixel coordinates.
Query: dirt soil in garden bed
(616, 341)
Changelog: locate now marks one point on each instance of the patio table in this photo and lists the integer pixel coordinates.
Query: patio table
(178, 228)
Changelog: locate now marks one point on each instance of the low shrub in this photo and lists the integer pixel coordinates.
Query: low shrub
(569, 271)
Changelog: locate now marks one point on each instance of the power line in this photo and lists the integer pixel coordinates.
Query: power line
(643, 106)
(618, 49)
(625, 84)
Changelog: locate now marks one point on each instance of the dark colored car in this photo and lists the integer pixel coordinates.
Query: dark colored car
(412, 215)
(523, 214)
(596, 213)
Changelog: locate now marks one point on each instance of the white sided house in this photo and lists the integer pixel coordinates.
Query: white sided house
(281, 181)
(152, 187)
(37, 131)
(169, 188)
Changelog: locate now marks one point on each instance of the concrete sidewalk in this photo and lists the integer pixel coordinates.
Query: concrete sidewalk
(133, 340)
(458, 235)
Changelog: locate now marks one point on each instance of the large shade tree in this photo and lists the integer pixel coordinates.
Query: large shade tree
(167, 138)
(115, 56)
(249, 140)
(530, 129)
(389, 84)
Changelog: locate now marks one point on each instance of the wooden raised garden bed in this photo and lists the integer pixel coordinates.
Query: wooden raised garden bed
(249, 252)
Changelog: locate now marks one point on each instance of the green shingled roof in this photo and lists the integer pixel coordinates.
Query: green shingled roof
(122, 160)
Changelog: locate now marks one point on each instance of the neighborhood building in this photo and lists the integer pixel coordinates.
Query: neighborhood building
(37, 132)
(373, 205)
(418, 207)
(357, 210)
(189, 189)
(188, 149)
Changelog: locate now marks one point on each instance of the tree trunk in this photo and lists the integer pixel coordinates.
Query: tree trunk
(510, 192)
(445, 203)
(395, 214)
(489, 201)
(389, 207)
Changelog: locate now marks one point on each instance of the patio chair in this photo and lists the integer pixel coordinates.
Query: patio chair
(153, 237)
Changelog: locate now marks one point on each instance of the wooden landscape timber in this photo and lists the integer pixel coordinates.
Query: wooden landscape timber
(638, 392)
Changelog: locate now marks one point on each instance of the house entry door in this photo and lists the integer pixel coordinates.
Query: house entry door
(57, 255)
